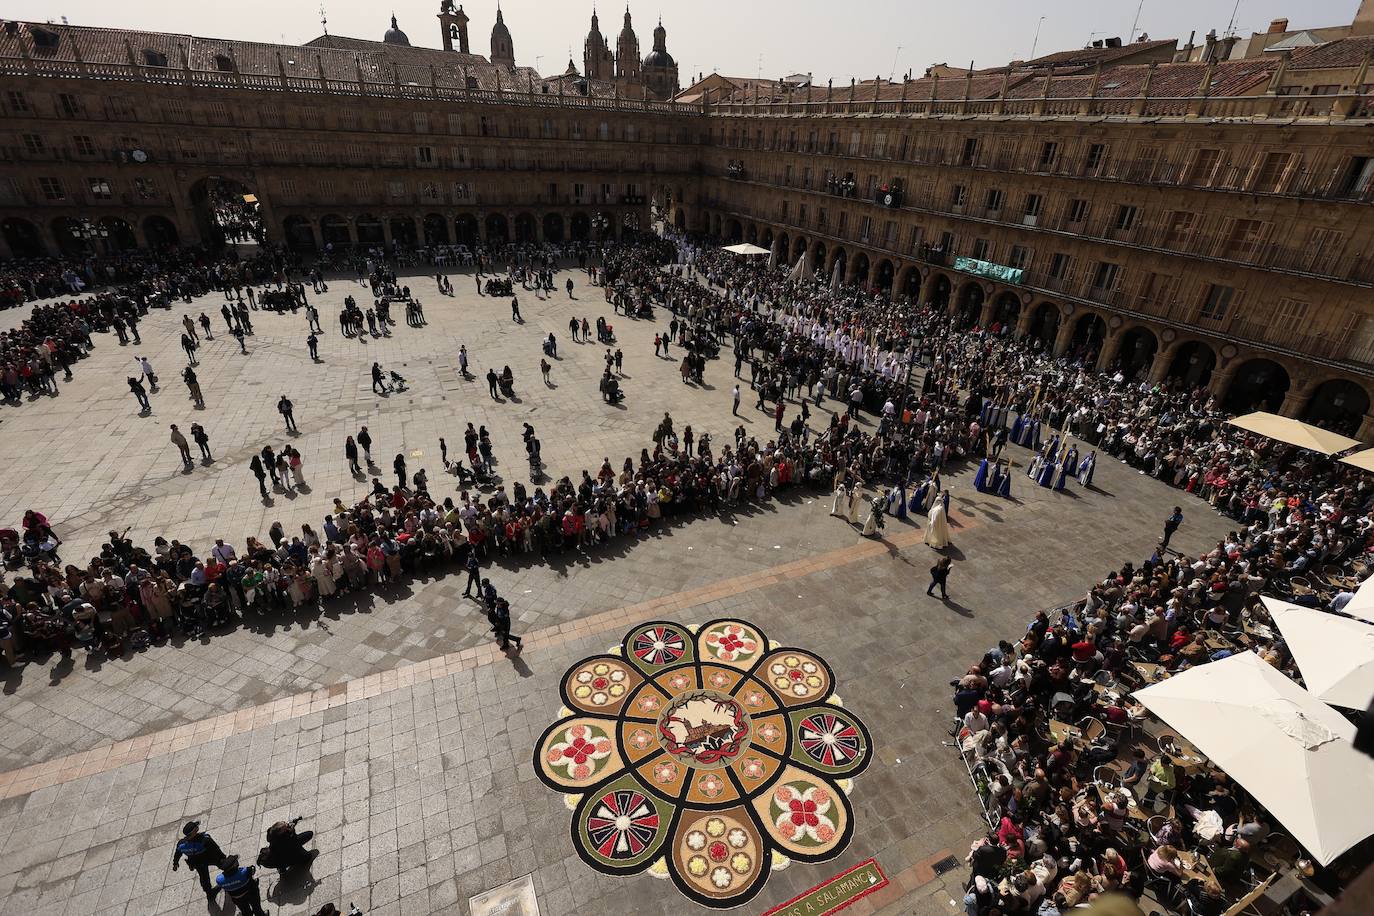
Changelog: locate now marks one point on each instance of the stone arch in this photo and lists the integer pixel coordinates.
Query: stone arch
(299, 235)
(1044, 323)
(819, 265)
(1338, 404)
(465, 230)
(734, 231)
(939, 290)
(370, 233)
(885, 274)
(680, 218)
(69, 236)
(160, 232)
(553, 227)
(766, 240)
(751, 235)
(498, 229)
(715, 225)
(909, 282)
(436, 229)
(227, 211)
(800, 246)
(334, 230)
(1006, 310)
(1191, 363)
(1089, 332)
(970, 304)
(1136, 353)
(858, 274)
(117, 234)
(581, 227)
(23, 238)
(839, 263)
(403, 230)
(526, 229)
(1259, 384)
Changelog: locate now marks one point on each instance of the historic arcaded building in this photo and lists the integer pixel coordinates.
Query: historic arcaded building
(1207, 219)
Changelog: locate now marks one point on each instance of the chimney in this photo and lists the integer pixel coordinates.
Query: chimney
(1113, 42)
(1278, 26)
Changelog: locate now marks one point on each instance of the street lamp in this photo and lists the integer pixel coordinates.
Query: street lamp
(88, 232)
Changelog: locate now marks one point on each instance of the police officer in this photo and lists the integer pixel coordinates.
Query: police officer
(201, 851)
(241, 885)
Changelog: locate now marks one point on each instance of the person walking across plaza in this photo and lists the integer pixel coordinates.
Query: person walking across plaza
(255, 465)
(365, 443)
(241, 884)
(515, 311)
(147, 369)
(734, 409)
(1171, 525)
(188, 375)
(473, 565)
(202, 439)
(312, 343)
(463, 361)
(286, 409)
(501, 612)
(939, 575)
(200, 851)
(137, 388)
(351, 453)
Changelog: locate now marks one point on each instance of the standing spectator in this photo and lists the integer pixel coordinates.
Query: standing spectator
(286, 408)
(203, 440)
(939, 575)
(137, 388)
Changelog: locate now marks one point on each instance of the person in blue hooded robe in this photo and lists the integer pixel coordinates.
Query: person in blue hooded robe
(945, 499)
(994, 478)
(1063, 475)
(980, 479)
(1086, 468)
(918, 497)
(1071, 461)
(1016, 427)
(1004, 488)
(1035, 435)
(899, 504)
(1047, 469)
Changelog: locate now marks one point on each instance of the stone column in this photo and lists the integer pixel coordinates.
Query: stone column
(1110, 347)
(386, 234)
(1065, 335)
(1366, 432)
(1296, 399)
(316, 233)
(985, 316)
(1159, 369)
(5, 253)
(1023, 321)
(1220, 382)
(352, 222)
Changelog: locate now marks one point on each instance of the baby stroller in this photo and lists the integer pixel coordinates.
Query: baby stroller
(398, 382)
(508, 386)
(9, 548)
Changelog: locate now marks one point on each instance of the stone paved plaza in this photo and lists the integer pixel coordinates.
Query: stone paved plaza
(390, 722)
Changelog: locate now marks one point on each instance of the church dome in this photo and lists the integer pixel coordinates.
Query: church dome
(394, 36)
(658, 58)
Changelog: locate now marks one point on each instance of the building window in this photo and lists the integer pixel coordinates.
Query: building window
(879, 145)
(42, 38)
(1078, 210)
(801, 215)
(822, 217)
(957, 195)
(68, 105)
(1049, 153)
(51, 189)
(424, 155)
(1059, 265)
(153, 58)
(1018, 258)
(100, 188)
(970, 152)
(785, 209)
(1180, 229)
(1125, 217)
(980, 249)
(420, 120)
(1290, 318)
(1096, 154)
(1247, 238)
(1104, 277)
(1034, 204)
(18, 102)
(33, 143)
(224, 63)
(994, 200)
(1204, 167)
(429, 191)
(603, 131)
(287, 186)
(856, 140)
(844, 223)
(865, 228)
(1269, 178)
(1217, 303)
(85, 146)
(461, 191)
(145, 188)
(914, 242)
(396, 189)
(579, 191)
(890, 234)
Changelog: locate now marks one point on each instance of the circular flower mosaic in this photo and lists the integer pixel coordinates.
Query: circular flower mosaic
(704, 754)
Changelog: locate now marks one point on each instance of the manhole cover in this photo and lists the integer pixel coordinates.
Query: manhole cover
(947, 864)
(515, 898)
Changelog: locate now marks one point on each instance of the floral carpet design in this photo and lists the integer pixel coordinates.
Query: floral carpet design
(705, 754)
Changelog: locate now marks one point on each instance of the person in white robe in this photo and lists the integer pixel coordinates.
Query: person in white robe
(937, 527)
(840, 506)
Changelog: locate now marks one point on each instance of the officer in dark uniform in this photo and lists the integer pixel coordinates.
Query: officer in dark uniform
(201, 851)
(241, 886)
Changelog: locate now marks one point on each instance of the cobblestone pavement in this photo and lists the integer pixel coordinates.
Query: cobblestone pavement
(390, 722)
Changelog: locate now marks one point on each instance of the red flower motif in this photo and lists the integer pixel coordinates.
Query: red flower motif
(804, 813)
(580, 751)
(729, 642)
(717, 851)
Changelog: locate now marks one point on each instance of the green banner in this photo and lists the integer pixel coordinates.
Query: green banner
(834, 895)
(988, 269)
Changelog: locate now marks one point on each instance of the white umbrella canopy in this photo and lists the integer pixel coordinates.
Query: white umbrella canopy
(1334, 653)
(746, 249)
(1362, 605)
(1294, 432)
(1289, 750)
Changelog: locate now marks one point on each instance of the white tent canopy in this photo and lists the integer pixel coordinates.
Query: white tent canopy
(1294, 432)
(1362, 605)
(1288, 749)
(746, 249)
(1335, 654)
